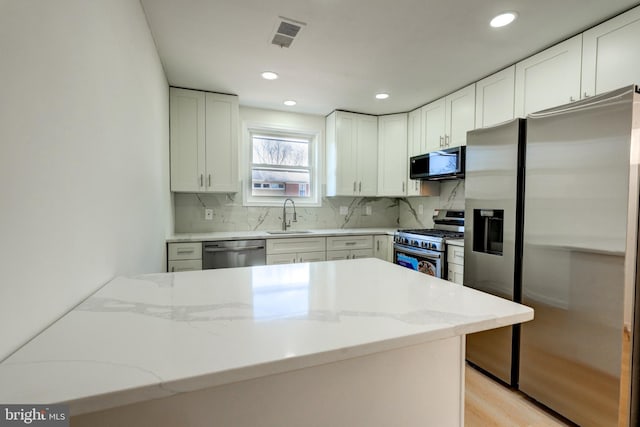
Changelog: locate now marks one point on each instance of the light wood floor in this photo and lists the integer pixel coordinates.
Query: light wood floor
(490, 404)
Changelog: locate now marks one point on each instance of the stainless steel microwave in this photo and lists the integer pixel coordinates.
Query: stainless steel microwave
(438, 165)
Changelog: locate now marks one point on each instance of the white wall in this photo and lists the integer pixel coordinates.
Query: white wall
(83, 156)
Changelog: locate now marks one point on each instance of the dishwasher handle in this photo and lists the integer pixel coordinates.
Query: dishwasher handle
(246, 248)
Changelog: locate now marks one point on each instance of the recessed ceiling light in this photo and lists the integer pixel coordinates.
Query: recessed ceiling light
(503, 19)
(269, 75)
(290, 103)
(382, 95)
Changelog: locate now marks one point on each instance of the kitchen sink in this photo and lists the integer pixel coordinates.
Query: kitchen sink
(289, 232)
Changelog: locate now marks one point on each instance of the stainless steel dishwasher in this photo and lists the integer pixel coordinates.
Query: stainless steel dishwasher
(233, 253)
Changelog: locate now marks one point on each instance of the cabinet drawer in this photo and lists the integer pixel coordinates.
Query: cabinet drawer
(189, 250)
(455, 254)
(349, 242)
(184, 265)
(362, 253)
(312, 256)
(295, 245)
(336, 255)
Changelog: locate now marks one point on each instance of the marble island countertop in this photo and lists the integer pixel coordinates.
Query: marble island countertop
(264, 234)
(153, 336)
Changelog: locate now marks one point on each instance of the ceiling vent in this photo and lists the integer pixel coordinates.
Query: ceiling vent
(286, 31)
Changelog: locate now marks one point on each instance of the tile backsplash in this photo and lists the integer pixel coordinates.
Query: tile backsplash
(230, 215)
(412, 216)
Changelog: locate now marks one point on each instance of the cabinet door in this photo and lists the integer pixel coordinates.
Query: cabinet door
(550, 78)
(187, 122)
(383, 247)
(392, 155)
(414, 148)
(337, 255)
(312, 256)
(495, 98)
(611, 54)
(221, 173)
(367, 155)
(361, 253)
(346, 133)
(460, 115)
(455, 274)
(433, 121)
(184, 265)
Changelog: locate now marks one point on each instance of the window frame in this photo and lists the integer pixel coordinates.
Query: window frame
(251, 129)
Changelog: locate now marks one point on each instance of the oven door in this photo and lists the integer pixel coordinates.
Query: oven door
(422, 260)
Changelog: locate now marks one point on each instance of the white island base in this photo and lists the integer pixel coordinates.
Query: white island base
(420, 385)
(339, 343)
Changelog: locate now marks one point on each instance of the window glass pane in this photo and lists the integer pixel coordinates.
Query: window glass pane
(280, 151)
(280, 182)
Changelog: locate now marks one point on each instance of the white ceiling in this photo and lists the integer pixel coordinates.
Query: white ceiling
(416, 50)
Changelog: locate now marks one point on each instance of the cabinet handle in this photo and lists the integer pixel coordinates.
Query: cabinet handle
(185, 251)
(378, 246)
(349, 243)
(571, 99)
(441, 141)
(403, 186)
(586, 95)
(354, 186)
(294, 260)
(209, 180)
(173, 269)
(446, 140)
(360, 187)
(201, 180)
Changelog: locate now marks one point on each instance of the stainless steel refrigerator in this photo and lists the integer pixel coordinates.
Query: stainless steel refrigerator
(552, 221)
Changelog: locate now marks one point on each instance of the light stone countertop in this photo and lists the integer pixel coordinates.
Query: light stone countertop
(152, 336)
(242, 235)
(455, 242)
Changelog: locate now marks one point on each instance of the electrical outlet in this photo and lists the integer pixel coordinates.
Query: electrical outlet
(344, 210)
(208, 214)
(420, 210)
(367, 210)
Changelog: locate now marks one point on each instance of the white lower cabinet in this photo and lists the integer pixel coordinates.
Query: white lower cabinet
(349, 254)
(455, 264)
(383, 247)
(185, 256)
(349, 247)
(295, 258)
(295, 250)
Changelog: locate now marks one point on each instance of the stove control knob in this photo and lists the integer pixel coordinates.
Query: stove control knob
(424, 244)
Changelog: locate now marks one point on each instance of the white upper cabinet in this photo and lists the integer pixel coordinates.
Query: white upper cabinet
(392, 155)
(414, 148)
(352, 154)
(495, 98)
(204, 141)
(460, 116)
(187, 140)
(611, 54)
(433, 125)
(549, 78)
(445, 122)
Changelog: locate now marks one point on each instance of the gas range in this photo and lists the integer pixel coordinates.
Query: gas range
(432, 239)
(449, 224)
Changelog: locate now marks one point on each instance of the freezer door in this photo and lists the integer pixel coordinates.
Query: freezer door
(492, 188)
(575, 230)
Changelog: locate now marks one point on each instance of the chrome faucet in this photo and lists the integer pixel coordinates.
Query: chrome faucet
(284, 214)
